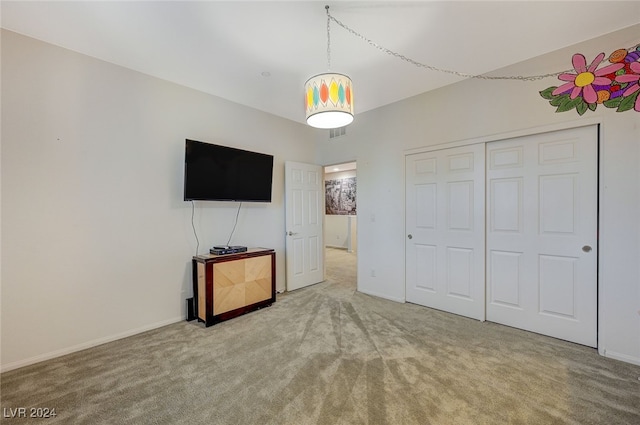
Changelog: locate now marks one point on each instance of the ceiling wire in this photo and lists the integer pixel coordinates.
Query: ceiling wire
(434, 68)
(328, 38)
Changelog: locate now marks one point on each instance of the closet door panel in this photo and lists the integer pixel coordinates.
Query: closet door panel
(445, 230)
(542, 233)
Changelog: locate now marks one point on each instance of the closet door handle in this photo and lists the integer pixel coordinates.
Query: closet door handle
(586, 248)
(410, 236)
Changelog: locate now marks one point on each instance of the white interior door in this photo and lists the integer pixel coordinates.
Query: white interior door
(542, 233)
(445, 230)
(304, 199)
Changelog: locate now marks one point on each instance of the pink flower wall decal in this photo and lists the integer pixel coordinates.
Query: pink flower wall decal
(615, 86)
(581, 83)
(632, 78)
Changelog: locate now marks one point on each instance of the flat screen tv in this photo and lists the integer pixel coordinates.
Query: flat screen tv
(221, 173)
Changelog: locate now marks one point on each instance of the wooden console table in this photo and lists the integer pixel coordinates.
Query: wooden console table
(226, 286)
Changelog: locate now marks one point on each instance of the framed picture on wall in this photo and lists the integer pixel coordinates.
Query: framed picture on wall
(340, 196)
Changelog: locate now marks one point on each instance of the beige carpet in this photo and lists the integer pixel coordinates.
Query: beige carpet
(330, 355)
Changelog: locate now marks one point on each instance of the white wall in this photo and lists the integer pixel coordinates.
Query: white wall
(340, 231)
(96, 239)
(336, 230)
(479, 110)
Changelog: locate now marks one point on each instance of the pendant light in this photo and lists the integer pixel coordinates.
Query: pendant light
(329, 96)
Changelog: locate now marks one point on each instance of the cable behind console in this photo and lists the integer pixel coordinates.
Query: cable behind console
(234, 224)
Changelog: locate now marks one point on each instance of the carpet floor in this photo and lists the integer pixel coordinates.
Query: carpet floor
(328, 354)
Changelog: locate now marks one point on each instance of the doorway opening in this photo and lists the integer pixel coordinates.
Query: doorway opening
(340, 223)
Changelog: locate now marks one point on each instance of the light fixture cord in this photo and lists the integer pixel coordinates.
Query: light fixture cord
(433, 68)
(328, 38)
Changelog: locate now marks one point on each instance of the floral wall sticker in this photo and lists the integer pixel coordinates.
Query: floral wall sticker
(615, 85)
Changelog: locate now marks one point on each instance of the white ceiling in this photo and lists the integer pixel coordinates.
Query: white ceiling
(260, 53)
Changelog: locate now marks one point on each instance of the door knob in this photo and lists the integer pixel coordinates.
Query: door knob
(290, 233)
(410, 236)
(586, 248)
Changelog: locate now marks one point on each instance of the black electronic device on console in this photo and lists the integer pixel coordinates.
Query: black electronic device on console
(226, 249)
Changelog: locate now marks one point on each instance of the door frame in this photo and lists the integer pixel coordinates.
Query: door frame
(324, 227)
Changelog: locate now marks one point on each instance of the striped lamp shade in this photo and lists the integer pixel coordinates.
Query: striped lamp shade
(329, 100)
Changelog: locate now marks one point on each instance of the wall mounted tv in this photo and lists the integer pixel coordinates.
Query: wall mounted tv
(222, 173)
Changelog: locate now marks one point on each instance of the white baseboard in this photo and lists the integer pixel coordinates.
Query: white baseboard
(386, 297)
(85, 345)
(622, 357)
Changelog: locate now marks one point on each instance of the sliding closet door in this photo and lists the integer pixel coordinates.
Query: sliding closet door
(542, 233)
(445, 230)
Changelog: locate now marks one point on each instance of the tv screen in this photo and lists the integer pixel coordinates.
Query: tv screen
(222, 173)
